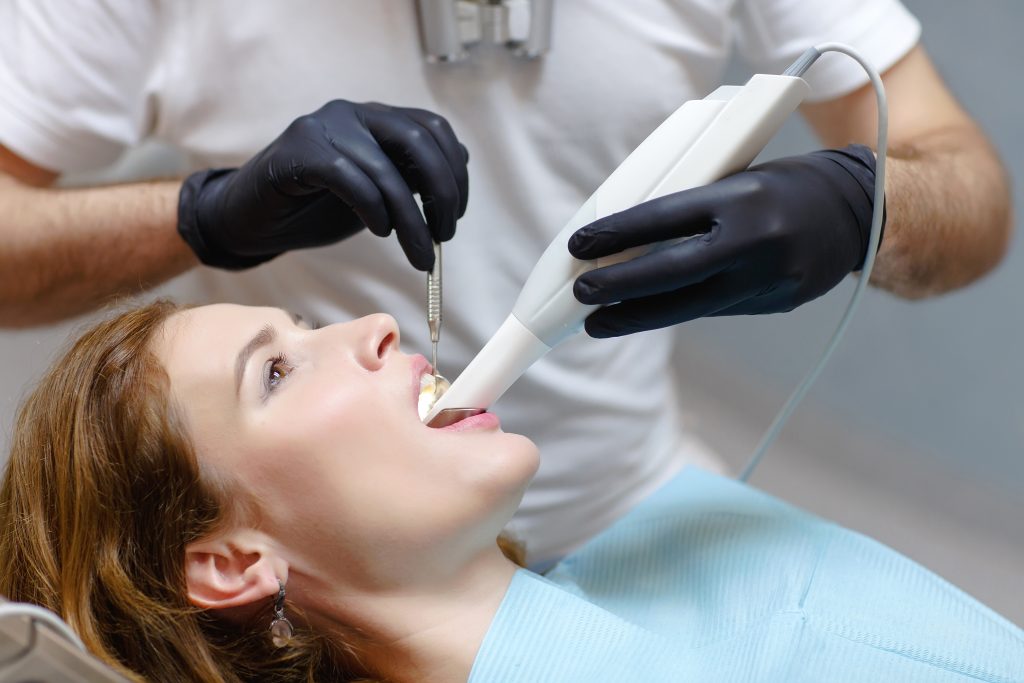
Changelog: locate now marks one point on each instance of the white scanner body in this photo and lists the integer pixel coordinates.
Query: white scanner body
(701, 142)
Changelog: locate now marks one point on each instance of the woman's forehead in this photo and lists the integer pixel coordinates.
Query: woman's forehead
(219, 324)
(199, 344)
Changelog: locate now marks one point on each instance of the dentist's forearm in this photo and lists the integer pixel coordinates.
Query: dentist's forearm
(67, 251)
(949, 214)
(947, 194)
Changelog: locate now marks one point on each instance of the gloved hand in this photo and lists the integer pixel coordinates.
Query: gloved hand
(767, 240)
(331, 172)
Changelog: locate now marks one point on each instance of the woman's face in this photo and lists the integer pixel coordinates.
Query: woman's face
(320, 429)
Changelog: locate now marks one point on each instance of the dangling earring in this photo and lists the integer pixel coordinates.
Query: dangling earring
(280, 628)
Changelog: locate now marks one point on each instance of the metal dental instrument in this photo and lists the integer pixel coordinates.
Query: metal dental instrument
(440, 384)
(452, 415)
(434, 306)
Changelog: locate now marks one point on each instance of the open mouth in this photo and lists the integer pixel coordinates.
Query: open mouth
(429, 387)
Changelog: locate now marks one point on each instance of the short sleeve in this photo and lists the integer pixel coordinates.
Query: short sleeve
(75, 79)
(771, 34)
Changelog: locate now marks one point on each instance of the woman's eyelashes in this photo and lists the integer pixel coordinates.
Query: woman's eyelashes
(278, 368)
(275, 372)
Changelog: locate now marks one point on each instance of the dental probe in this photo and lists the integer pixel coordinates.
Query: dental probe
(440, 385)
(434, 305)
(433, 387)
(702, 141)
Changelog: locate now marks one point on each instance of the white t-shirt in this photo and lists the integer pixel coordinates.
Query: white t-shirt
(80, 82)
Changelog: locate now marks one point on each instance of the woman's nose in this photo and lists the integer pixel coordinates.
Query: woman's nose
(376, 337)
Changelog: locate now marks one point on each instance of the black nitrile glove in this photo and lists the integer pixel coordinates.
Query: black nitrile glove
(330, 173)
(768, 239)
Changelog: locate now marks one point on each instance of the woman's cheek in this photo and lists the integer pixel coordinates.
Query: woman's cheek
(333, 408)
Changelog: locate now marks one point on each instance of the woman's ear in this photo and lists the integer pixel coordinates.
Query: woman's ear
(233, 569)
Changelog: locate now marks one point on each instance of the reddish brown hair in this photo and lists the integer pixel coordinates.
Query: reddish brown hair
(102, 494)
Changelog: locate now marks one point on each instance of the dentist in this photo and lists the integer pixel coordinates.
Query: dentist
(221, 80)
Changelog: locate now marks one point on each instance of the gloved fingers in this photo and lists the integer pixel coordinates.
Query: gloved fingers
(778, 297)
(671, 268)
(418, 247)
(364, 178)
(427, 171)
(422, 163)
(681, 214)
(671, 308)
(454, 151)
(342, 177)
(397, 197)
(331, 220)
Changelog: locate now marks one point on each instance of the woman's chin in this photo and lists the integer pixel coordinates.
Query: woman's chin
(522, 461)
(500, 461)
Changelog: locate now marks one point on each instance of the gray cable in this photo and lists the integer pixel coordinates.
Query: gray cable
(798, 68)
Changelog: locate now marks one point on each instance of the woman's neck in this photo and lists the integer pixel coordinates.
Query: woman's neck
(430, 631)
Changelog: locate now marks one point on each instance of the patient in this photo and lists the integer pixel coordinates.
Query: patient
(222, 493)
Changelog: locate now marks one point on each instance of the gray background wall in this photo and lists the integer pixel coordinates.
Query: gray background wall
(915, 432)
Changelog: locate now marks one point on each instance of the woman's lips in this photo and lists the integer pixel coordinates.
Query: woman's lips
(480, 421)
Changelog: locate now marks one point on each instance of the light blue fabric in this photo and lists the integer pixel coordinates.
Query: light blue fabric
(710, 580)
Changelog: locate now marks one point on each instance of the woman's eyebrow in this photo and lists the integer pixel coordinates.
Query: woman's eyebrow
(265, 336)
